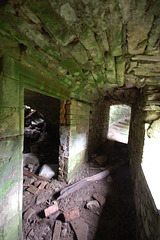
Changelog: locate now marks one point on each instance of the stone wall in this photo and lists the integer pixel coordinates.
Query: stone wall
(147, 214)
(98, 127)
(11, 144)
(14, 76)
(74, 132)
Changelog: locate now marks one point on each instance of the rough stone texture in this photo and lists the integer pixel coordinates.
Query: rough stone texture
(98, 126)
(71, 43)
(83, 50)
(11, 140)
(74, 131)
(154, 129)
(147, 217)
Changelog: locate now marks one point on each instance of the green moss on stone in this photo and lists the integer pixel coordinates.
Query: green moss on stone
(79, 53)
(72, 66)
(116, 41)
(12, 229)
(120, 67)
(10, 174)
(54, 22)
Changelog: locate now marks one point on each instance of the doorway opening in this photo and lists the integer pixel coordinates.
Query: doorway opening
(119, 123)
(41, 133)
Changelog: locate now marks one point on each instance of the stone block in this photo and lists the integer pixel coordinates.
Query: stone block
(154, 129)
(10, 174)
(9, 92)
(9, 121)
(11, 68)
(116, 39)
(79, 53)
(147, 69)
(137, 32)
(48, 170)
(11, 199)
(54, 22)
(120, 67)
(57, 230)
(81, 229)
(12, 229)
(10, 147)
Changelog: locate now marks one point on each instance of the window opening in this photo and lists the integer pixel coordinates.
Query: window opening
(119, 123)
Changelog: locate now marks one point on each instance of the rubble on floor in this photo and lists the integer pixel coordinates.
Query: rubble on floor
(77, 215)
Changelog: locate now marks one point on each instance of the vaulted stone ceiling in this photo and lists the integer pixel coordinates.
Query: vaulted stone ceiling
(87, 46)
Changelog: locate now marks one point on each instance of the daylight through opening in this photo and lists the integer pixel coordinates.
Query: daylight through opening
(119, 123)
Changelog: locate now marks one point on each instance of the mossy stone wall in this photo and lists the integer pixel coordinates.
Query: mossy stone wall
(11, 144)
(14, 76)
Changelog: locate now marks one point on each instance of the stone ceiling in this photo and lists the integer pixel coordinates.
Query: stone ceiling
(88, 46)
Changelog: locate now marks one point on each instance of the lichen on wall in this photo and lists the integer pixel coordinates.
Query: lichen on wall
(11, 143)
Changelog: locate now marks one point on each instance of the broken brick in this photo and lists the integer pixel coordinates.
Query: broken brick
(37, 183)
(50, 210)
(42, 185)
(80, 228)
(57, 230)
(71, 215)
(99, 198)
(28, 182)
(32, 189)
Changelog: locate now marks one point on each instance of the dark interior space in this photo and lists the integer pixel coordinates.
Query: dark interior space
(64, 175)
(41, 126)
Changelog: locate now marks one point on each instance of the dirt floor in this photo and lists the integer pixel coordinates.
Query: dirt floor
(112, 219)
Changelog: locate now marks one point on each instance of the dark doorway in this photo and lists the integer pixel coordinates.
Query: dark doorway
(41, 127)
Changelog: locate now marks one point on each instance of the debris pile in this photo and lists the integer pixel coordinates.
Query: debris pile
(38, 137)
(53, 210)
(38, 151)
(44, 210)
(45, 218)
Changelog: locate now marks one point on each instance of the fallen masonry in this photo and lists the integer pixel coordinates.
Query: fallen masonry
(68, 217)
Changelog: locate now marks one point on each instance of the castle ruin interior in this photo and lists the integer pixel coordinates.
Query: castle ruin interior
(69, 62)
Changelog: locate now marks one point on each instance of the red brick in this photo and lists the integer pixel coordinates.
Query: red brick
(50, 210)
(62, 116)
(68, 102)
(42, 185)
(37, 183)
(62, 110)
(57, 230)
(62, 121)
(71, 215)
